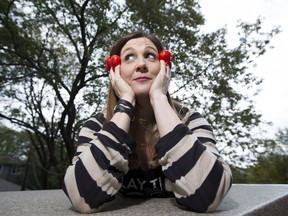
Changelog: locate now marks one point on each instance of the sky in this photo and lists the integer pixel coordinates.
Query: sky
(272, 101)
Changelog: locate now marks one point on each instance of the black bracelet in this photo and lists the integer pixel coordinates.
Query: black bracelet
(125, 103)
(129, 112)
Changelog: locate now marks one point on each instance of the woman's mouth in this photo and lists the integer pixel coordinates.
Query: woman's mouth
(142, 79)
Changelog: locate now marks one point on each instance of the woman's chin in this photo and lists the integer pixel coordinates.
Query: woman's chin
(141, 90)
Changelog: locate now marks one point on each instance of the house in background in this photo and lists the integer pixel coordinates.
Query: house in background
(11, 173)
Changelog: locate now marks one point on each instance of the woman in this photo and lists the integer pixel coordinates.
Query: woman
(143, 143)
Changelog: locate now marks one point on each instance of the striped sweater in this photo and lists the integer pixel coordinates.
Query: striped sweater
(190, 169)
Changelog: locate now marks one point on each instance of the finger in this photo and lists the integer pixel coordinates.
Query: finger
(163, 65)
(168, 71)
(111, 74)
(117, 70)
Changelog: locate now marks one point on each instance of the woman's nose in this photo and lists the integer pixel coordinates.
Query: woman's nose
(142, 67)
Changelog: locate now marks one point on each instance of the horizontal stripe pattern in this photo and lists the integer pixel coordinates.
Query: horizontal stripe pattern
(98, 166)
(202, 198)
(190, 162)
(91, 184)
(196, 173)
(174, 170)
(167, 142)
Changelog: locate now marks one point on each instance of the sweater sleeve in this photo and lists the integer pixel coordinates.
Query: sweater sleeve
(197, 175)
(98, 167)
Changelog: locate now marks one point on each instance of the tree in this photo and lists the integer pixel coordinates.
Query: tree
(53, 76)
(13, 144)
(270, 169)
(271, 165)
(282, 140)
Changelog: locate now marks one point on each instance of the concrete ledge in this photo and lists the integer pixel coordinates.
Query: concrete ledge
(264, 200)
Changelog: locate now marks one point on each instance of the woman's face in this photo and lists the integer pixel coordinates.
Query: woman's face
(139, 64)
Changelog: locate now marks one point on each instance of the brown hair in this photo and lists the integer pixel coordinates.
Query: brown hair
(116, 49)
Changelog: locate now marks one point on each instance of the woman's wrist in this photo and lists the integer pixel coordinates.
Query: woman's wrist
(126, 107)
(165, 116)
(128, 98)
(159, 99)
(126, 103)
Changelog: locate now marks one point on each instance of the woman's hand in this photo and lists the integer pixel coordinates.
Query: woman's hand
(161, 82)
(165, 116)
(120, 86)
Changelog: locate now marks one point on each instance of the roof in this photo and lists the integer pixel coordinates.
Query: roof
(8, 186)
(5, 160)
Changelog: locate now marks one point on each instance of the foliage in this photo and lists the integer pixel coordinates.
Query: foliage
(271, 169)
(52, 75)
(282, 139)
(271, 166)
(13, 144)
